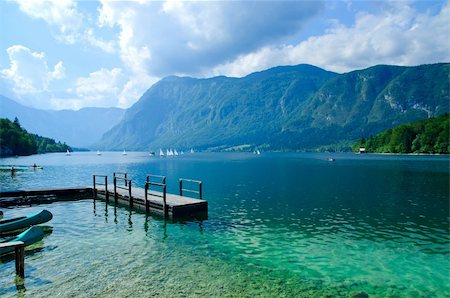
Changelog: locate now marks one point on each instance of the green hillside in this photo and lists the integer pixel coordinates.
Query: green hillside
(14, 140)
(426, 136)
(283, 108)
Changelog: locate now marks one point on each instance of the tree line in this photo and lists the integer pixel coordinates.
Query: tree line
(15, 140)
(425, 136)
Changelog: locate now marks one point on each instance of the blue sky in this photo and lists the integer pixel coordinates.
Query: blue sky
(66, 54)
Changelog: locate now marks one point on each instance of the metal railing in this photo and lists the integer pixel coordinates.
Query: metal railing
(95, 183)
(127, 186)
(121, 175)
(162, 185)
(189, 190)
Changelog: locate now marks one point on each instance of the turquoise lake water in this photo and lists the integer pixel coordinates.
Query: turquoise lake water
(279, 225)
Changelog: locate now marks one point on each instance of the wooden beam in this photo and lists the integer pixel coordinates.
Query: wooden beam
(19, 252)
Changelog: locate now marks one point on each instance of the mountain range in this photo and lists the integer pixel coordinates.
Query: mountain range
(77, 128)
(282, 108)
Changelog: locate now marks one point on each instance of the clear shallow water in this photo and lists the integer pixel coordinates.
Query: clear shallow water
(279, 225)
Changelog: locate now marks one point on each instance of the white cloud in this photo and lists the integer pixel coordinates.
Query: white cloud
(398, 36)
(60, 13)
(100, 88)
(163, 38)
(28, 72)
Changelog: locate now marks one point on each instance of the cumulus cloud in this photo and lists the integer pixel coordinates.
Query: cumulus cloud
(398, 35)
(60, 13)
(100, 88)
(29, 72)
(170, 37)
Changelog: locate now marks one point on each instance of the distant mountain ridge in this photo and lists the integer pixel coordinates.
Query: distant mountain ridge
(78, 128)
(288, 107)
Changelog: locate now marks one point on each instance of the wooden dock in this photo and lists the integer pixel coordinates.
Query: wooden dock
(153, 198)
(148, 199)
(43, 196)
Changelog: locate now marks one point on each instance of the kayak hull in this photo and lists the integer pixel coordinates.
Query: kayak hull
(28, 237)
(8, 225)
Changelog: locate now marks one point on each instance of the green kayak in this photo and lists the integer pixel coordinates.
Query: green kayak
(29, 236)
(12, 224)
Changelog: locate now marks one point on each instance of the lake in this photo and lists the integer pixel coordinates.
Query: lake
(279, 225)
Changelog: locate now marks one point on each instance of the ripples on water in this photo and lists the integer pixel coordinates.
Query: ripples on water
(280, 225)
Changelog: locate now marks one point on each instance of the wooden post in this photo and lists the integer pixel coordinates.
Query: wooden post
(200, 190)
(146, 200)
(164, 201)
(106, 189)
(115, 188)
(181, 187)
(126, 179)
(129, 193)
(94, 190)
(20, 260)
(19, 254)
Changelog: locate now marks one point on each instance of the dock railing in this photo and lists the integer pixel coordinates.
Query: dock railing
(189, 190)
(96, 182)
(121, 175)
(150, 182)
(127, 183)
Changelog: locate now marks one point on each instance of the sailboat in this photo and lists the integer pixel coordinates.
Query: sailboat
(192, 150)
(124, 152)
(98, 152)
(68, 152)
(161, 153)
(175, 152)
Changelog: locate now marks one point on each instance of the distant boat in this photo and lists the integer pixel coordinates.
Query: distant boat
(257, 152)
(175, 152)
(330, 159)
(68, 153)
(124, 152)
(169, 152)
(161, 153)
(152, 153)
(98, 152)
(192, 150)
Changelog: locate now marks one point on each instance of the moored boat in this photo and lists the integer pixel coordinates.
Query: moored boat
(12, 224)
(29, 236)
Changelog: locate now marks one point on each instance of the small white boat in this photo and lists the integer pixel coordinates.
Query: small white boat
(175, 152)
(67, 153)
(124, 152)
(161, 153)
(192, 150)
(257, 152)
(99, 153)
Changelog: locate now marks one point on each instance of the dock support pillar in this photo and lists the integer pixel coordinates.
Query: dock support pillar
(115, 189)
(146, 196)
(94, 190)
(129, 193)
(20, 260)
(106, 189)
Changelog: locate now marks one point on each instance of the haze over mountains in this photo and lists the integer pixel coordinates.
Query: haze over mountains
(292, 107)
(76, 128)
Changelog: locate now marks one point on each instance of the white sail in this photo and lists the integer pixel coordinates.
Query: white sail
(98, 152)
(161, 153)
(192, 150)
(175, 152)
(68, 153)
(124, 152)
